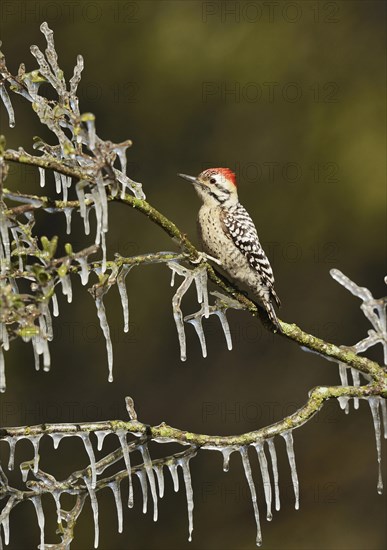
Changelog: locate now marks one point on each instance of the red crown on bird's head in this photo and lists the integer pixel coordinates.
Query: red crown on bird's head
(225, 172)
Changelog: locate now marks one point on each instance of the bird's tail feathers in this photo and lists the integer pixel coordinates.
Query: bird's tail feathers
(275, 297)
(273, 316)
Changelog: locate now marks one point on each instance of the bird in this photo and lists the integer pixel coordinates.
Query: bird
(228, 236)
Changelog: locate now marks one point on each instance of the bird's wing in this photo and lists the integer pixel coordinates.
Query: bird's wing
(239, 227)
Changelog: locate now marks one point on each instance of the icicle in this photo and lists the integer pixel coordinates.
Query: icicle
(177, 314)
(35, 346)
(265, 478)
(46, 355)
(84, 273)
(42, 175)
(273, 456)
(101, 434)
(45, 334)
(90, 124)
(5, 235)
(121, 153)
(356, 382)
(106, 332)
(67, 288)
(4, 336)
(104, 203)
(98, 214)
(141, 476)
(201, 290)
(55, 308)
(3, 384)
(374, 406)
(57, 438)
(123, 182)
(12, 440)
(121, 434)
(75, 79)
(79, 188)
(184, 463)
(87, 222)
(35, 442)
(56, 496)
(5, 518)
(94, 507)
(124, 294)
(173, 278)
(226, 452)
(288, 437)
(89, 449)
(203, 277)
(115, 487)
(103, 246)
(67, 213)
(175, 477)
(58, 182)
(197, 324)
(7, 104)
(160, 478)
(65, 186)
(383, 405)
(250, 481)
(5, 524)
(151, 477)
(48, 321)
(25, 467)
(343, 401)
(40, 515)
(226, 328)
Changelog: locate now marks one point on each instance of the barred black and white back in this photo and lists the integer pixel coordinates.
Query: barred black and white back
(239, 226)
(228, 233)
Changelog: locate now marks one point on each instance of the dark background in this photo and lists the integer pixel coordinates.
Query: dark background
(292, 97)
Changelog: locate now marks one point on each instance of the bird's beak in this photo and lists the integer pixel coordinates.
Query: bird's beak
(191, 179)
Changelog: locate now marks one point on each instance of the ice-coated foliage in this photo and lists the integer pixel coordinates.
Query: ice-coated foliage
(102, 174)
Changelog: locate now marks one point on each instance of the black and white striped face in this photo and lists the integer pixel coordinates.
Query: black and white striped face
(215, 185)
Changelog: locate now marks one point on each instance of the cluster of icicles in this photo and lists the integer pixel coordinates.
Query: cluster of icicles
(147, 474)
(198, 276)
(150, 474)
(71, 152)
(375, 311)
(97, 201)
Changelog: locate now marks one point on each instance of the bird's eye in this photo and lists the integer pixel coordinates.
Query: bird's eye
(212, 180)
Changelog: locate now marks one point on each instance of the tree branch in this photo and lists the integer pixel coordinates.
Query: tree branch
(163, 432)
(290, 331)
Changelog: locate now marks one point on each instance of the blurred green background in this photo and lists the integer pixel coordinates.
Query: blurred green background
(291, 95)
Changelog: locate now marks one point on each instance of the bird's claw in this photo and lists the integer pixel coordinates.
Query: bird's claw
(203, 257)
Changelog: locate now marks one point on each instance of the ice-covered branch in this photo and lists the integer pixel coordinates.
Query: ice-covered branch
(290, 331)
(134, 436)
(373, 309)
(163, 432)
